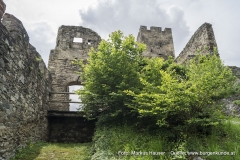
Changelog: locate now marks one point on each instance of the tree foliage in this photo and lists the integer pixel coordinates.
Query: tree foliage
(183, 97)
(110, 70)
(118, 80)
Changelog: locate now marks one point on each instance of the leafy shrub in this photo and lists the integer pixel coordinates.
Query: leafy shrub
(183, 97)
(237, 102)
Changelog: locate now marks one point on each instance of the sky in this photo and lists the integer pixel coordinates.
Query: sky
(42, 18)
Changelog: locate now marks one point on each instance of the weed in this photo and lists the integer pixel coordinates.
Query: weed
(46, 151)
(237, 102)
(38, 59)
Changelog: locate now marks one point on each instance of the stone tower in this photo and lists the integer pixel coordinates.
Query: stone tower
(159, 43)
(60, 60)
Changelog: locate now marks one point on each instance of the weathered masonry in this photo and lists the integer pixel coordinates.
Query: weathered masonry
(2, 9)
(159, 43)
(24, 86)
(65, 126)
(203, 40)
(73, 42)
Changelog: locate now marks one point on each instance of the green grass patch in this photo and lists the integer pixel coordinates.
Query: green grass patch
(124, 142)
(237, 102)
(56, 151)
(128, 143)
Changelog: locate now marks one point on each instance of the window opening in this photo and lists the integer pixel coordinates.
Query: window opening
(89, 42)
(74, 98)
(77, 40)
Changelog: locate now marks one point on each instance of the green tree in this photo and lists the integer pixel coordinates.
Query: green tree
(183, 97)
(110, 70)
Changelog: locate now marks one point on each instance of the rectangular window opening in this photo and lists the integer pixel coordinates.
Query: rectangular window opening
(77, 40)
(75, 98)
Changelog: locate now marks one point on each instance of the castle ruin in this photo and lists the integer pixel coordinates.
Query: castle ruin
(60, 61)
(202, 41)
(159, 43)
(29, 109)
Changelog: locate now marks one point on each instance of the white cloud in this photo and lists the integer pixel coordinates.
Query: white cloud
(105, 16)
(42, 37)
(125, 15)
(42, 19)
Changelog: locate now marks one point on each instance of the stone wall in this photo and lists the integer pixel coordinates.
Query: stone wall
(235, 71)
(2, 9)
(65, 126)
(60, 60)
(203, 40)
(159, 43)
(231, 108)
(25, 84)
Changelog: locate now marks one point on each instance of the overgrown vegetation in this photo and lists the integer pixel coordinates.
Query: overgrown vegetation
(46, 151)
(125, 142)
(154, 104)
(237, 102)
(120, 81)
(128, 143)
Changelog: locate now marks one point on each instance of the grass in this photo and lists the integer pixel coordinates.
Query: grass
(128, 143)
(237, 102)
(125, 142)
(55, 151)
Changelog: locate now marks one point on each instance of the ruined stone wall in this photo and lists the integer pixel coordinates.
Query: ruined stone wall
(60, 60)
(2, 9)
(232, 108)
(203, 40)
(25, 84)
(159, 43)
(65, 126)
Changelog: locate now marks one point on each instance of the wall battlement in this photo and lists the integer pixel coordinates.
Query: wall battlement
(155, 29)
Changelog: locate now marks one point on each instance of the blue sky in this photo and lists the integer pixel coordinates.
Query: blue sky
(42, 19)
